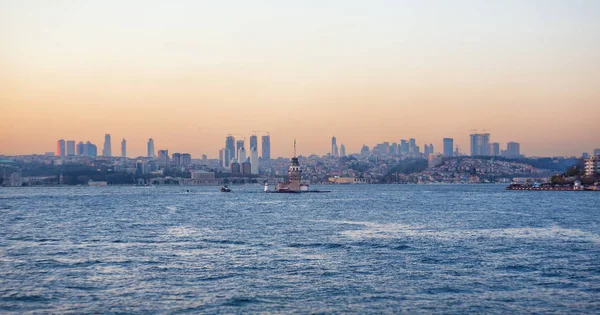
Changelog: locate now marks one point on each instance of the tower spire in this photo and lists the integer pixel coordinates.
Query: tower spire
(294, 147)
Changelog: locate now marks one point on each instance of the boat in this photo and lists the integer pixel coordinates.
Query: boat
(225, 189)
(143, 186)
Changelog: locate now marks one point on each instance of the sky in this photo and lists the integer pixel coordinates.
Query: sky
(187, 73)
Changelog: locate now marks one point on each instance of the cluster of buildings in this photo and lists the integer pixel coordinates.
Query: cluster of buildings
(239, 160)
(68, 148)
(475, 170)
(481, 146)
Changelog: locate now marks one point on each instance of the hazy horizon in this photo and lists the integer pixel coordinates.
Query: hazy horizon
(189, 73)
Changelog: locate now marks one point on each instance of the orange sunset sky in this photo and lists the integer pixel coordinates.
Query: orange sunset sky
(187, 73)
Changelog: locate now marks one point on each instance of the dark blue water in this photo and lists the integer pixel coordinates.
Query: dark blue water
(358, 249)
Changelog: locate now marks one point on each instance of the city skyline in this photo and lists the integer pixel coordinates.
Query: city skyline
(366, 72)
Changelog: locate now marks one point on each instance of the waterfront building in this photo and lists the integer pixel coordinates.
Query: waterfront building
(254, 160)
(203, 178)
(107, 150)
(448, 146)
(592, 166)
(70, 148)
(229, 150)
(61, 148)
(246, 168)
(151, 148)
(342, 150)
(186, 159)
(80, 148)
(234, 166)
(266, 147)
(123, 148)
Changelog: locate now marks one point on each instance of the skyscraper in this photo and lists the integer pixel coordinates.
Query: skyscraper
(241, 156)
(186, 159)
(596, 151)
(513, 149)
(253, 142)
(151, 148)
(334, 147)
(107, 151)
(342, 150)
(90, 150)
(123, 148)
(448, 146)
(70, 148)
(494, 149)
(364, 151)
(480, 144)
(254, 160)
(60, 148)
(163, 157)
(266, 147)
(80, 148)
(238, 145)
(229, 150)
(222, 157)
(404, 147)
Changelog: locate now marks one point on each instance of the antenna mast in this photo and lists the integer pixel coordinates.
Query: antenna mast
(294, 147)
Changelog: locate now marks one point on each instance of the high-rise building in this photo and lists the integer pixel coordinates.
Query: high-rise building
(412, 143)
(334, 147)
(123, 148)
(596, 151)
(253, 142)
(176, 159)
(234, 166)
(431, 149)
(151, 148)
(513, 149)
(70, 147)
(364, 151)
(266, 147)
(342, 150)
(241, 156)
(480, 144)
(107, 151)
(61, 148)
(585, 155)
(448, 146)
(426, 150)
(246, 168)
(186, 159)
(222, 157)
(229, 150)
(254, 160)
(90, 150)
(495, 149)
(163, 157)
(80, 148)
(592, 166)
(404, 147)
(238, 145)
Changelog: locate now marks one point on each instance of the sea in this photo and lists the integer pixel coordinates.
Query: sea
(443, 249)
